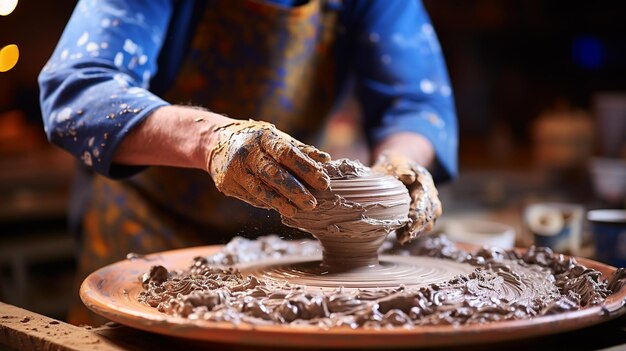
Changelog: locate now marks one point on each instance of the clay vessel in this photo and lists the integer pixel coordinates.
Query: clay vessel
(355, 215)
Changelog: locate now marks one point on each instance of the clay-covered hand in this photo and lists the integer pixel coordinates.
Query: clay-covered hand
(255, 162)
(425, 205)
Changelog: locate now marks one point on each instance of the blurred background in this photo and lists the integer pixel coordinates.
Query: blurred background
(540, 90)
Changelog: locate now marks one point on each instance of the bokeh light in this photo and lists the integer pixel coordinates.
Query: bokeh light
(588, 52)
(7, 6)
(8, 57)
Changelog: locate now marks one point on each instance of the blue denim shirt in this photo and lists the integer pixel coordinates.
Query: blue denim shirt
(116, 56)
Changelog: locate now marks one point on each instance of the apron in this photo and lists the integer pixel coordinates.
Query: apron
(248, 59)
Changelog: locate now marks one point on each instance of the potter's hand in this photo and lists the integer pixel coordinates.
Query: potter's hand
(255, 162)
(425, 205)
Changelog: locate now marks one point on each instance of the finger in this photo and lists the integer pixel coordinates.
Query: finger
(314, 153)
(311, 151)
(426, 179)
(399, 167)
(403, 169)
(295, 161)
(422, 215)
(428, 189)
(405, 175)
(244, 195)
(276, 177)
(403, 234)
(437, 208)
(266, 195)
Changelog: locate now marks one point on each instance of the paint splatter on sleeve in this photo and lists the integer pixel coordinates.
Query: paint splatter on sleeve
(94, 88)
(402, 82)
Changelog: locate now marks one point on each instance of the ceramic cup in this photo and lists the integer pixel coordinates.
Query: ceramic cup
(608, 177)
(609, 235)
(555, 225)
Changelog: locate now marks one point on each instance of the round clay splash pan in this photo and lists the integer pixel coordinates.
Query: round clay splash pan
(112, 292)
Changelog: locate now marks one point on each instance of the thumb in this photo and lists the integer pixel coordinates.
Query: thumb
(397, 166)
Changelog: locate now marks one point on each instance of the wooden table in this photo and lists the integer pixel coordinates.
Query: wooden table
(24, 330)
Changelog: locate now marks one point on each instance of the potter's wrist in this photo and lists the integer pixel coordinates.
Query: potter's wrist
(210, 126)
(414, 147)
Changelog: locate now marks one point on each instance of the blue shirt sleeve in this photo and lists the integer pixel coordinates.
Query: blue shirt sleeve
(94, 87)
(401, 78)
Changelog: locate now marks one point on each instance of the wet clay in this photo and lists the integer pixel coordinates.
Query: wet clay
(256, 163)
(501, 285)
(425, 204)
(354, 216)
(390, 272)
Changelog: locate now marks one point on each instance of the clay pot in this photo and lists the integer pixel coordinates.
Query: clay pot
(353, 218)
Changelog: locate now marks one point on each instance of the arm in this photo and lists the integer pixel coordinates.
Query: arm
(174, 136)
(94, 87)
(402, 84)
(96, 104)
(249, 160)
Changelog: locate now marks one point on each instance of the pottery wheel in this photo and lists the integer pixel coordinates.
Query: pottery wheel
(113, 292)
(392, 271)
(300, 293)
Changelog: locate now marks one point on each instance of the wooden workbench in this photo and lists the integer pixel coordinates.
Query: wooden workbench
(24, 330)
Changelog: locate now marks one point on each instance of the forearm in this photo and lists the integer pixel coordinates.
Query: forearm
(411, 145)
(177, 136)
(412, 93)
(249, 160)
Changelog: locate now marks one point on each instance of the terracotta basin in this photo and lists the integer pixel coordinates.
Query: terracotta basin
(112, 292)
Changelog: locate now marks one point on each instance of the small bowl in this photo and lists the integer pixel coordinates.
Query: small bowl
(555, 225)
(479, 232)
(609, 235)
